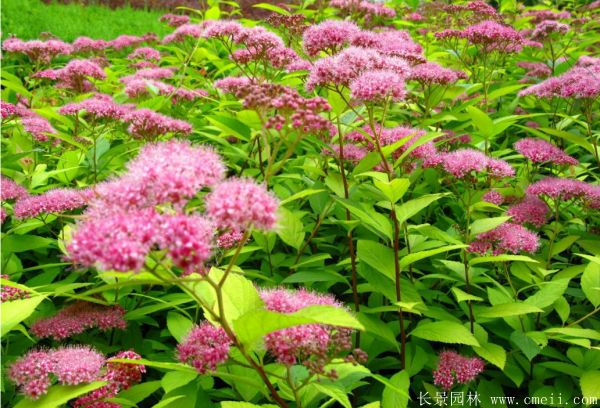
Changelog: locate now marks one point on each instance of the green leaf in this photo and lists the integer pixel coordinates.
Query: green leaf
(393, 190)
(231, 125)
(480, 120)
(178, 325)
(590, 384)
(501, 258)
(417, 256)
(411, 208)
(15, 311)
(575, 332)
(377, 223)
(548, 294)
(291, 229)
(58, 395)
(392, 398)
(486, 224)
(462, 296)
(301, 194)
(493, 353)
(23, 243)
(590, 283)
(139, 392)
(508, 309)
(255, 324)
(527, 345)
(272, 7)
(379, 257)
(445, 332)
(176, 379)
(334, 392)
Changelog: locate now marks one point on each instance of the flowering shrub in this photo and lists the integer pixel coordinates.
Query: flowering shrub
(355, 204)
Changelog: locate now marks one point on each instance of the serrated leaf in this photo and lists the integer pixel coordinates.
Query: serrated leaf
(445, 332)
(508, 309)
(486, 224)
(58, 395)
(590, 283)
(590, 384)
(393, 399)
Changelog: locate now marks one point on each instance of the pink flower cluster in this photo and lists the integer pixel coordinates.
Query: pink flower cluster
(453, 368)
(35, 124)
(378, 86)
(489, 35)
(541, 151)
(78, 317)
(119, 376)
(531, 210)
(548, 28)
(567, 189)
(7, 110)
(431, 73)
(229, 239)
(493, 197)
(534, 70)
(9, 190)
(238, 204)
(368, 9)
(292, 109)
(72, 365)
(149, 125)
(580, 82)
(538, 16)
(8, 293)
(463, 163)
(506, 238)
(205, 347)
(174, 20)
(183, 32)
(99, 106)
(37, 51)
(145, 53)
(74, 76)
(305, 342)
(52, 201)
(89, 45)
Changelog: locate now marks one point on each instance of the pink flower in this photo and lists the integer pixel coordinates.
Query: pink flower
(89, 45)
(507, 238)
(99, 106)
(541, 151)
(232, 84)
(329, 36)
(540, 15)
(463, 162)
(74, 76)
(31, 373)
(229, 239)
(149, 73)
(490, 35)
(7, 110)
(145, 53)
(174, 20)
(531, 210)
(38, 126)
(9, 190)
(452, 367)
(377, 86)
(52, 201)
(119, 376)
(535, 69)
(352, 153)
(240, 203)
(222, 28)
(183, 33)
(431, 73)
(580, 82)
(148, 124)
(547, 28)
(78, 317)
(9, 293)
(36, 50)
(559, 188)
(76, 364)
(310, 343)
(187, 240)
(117, 241)
(493, 197)
(205, 347)
(126, 41)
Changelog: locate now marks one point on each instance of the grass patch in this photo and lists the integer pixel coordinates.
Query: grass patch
(28, 18)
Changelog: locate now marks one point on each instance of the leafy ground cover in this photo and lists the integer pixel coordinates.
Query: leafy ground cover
(27, 19)
(349, 204)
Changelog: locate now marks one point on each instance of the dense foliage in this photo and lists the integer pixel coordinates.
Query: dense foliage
(348, 204)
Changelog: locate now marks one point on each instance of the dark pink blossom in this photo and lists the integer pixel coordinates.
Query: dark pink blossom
(148, 124)
(8, 293)
(453, 368)
(507, 238)
(174, 20)
(377, 86)
(52, 201)
(205, 347)
(541, 151)
(36, 50)
(531, 210)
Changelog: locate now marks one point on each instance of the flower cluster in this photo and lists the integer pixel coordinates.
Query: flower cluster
(563, 189)
(463, 163)
(205, 347)
(541, 151)
(35, 124)
(145, 53)
(506, 238)
(378, 86)
(431, 73)
(489, 35)
(8, 293)
(74, 76)
(36, 50)
(174, 20)
(580, 82)
(453, 368)
(71, 365)
(99, 106)
(364, 8)
(52, 201)
(78, 317)
(531, 210)
(119, 376)
(9, 190)
(311, 344)
(149, 125)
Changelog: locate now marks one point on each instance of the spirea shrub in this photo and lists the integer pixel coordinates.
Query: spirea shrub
(349, 203)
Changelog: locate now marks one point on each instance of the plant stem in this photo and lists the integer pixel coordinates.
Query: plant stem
(466, 261)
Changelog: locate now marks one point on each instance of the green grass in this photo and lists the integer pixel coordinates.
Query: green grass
(28, 18)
